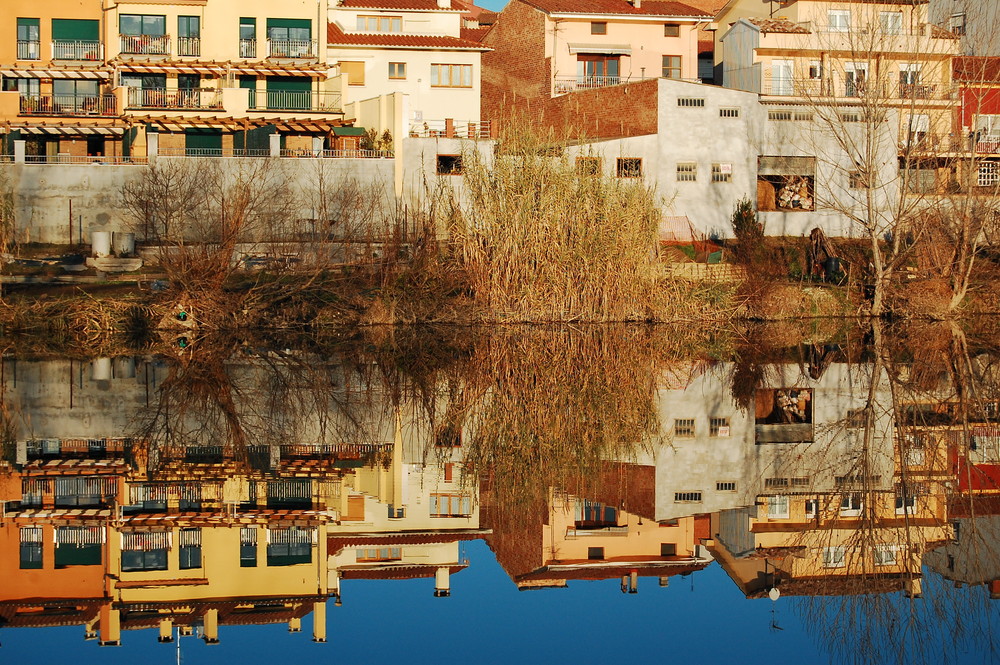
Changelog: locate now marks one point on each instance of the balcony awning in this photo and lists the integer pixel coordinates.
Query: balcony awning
(55, 73)
(57, 130)
(602, 49)
(270, 70)
(175, 68)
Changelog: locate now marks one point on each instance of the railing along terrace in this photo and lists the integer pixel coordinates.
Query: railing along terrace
(291, 48)
(135, 160)
(74, 49)
(248, 48)
(145, 44)
(284, 153)
(29, 50)
(295, 100)
(161, 98)
(825, 87)
(69, 105)
(189, 46)
(566, 84)
(471, 129)
(338, 154)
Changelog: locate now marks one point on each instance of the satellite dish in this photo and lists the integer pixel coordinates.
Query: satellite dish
(774, 594)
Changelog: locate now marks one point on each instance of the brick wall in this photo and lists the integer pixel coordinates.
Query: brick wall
(516, 86)
(516, 71)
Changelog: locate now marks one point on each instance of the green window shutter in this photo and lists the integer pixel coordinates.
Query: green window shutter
(210, 139)
(289, 23)
(71, 29)
(28, 29)
(289, 83)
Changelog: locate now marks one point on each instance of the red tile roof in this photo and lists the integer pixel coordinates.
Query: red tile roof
(778, 25)
(476, 34)
(973, 69)
(646, 8)
(403, 571)
(425, 5)
(337, 37)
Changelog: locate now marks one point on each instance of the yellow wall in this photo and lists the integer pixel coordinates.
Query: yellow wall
(45, 10)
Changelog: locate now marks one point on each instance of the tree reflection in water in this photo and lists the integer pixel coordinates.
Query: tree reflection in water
(855, 476)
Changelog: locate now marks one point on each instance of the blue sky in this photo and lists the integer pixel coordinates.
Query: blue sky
(495, 5)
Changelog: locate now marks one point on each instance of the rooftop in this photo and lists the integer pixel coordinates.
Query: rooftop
(337, 37)
(618, 7)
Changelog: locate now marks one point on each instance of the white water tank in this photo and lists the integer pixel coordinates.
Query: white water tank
(100, 243)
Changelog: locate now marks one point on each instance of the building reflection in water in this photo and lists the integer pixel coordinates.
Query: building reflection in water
(824, 477)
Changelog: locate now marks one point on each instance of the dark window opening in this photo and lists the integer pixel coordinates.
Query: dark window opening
(595, 553)
(449, 164)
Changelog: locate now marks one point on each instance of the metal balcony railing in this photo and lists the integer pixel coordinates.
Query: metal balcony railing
(74, 49)
(189, 46)
(70, 105)
(293, 100)
(471, 129)
(145, 44)
(566, 84)
(248, 48)
(291, 48)
(29, 50)
(825, 87)
(161, 98)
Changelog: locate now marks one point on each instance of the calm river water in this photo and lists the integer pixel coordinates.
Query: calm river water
(793, 493)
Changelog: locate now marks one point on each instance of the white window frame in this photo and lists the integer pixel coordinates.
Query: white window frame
(851, 505)
(838, 20)
(834, 557)
(687, 172)
(885, 555)
(811, 508)
(891, 23)
(988, 174)
(777, 507)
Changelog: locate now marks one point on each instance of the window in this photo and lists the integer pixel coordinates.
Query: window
(691, 102)
(855, 76)
(988, 174)
(79, 546)
(722, 172)
(449, 472)
(629, 167)
(856, 418)
(369, 554)
(957, 24)
(885, 555)
(450, 505)
(145, 550)
(142, 24)
(815, 70)
(920, 180)
(31, 547)
(668, 549)
(775, 482)
(684, 428)
(851, 505)
(687, 497)
(905, 503)
(355, 71)
(857, 180)
(396, 513)
(597, 70)
(28, 39)
(451, 76)
(671, 67)
(725, 486)
(839, 20)
(449, 165)
(189, 35)
(849, 117)
(189, 541)
(380, 24)
(397, 70)
(133, 560)
(777, 507)
(291, 546)
(891, 22)
(812, 508)
(248, 37)
(595, 553)
(687, 172)
(593, 515)
(588, 166)
(798, 116)
(718, 427)
(671, 30)
(598, 27)
(248, 547)
(729, 112)
(833, 557)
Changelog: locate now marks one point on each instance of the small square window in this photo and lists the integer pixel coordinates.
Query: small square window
(812, 508)
(722, 172)
(857, 180)
(733, 112)
(687, 497)
(598, 27)
(777, 507)
(589, 166)
(718, 427)
(629, 167)
(684, 428)
(595, 553)
(687, 172)
(449, 165)
(668, 549)
(725, 486)
(671, 30)
(833, 557)
(885, 555)
(397, 70)
(671, 67)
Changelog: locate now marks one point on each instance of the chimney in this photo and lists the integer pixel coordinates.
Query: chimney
(110, 627)
(912, 588)
(166, 631)
(444, 4)
(442, 582)
(211, 620)
(636, 3)
(633, 578)
(319, 621)
(295, 625)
